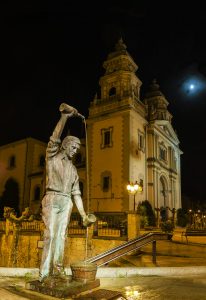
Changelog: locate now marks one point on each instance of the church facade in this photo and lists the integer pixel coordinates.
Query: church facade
(130, 141)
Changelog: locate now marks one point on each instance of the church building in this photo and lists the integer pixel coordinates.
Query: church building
(131, 141)
(133, 150)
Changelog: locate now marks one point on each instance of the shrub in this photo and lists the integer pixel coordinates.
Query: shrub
(167, 226)
(147, 216)
(163, 214)
(182, 217)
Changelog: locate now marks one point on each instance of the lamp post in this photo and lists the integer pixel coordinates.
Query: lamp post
(133, 188)
(191, 217)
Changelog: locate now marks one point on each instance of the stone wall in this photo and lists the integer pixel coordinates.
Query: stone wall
(28, 254)
(22, 246)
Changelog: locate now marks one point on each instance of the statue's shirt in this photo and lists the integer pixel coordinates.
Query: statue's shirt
(61, 174)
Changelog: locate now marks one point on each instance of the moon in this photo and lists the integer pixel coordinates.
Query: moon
(194, 85)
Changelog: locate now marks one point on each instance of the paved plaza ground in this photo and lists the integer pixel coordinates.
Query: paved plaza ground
(180, 273)
(139, 288)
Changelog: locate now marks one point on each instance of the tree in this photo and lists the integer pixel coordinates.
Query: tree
(182, 217)
(147, 213)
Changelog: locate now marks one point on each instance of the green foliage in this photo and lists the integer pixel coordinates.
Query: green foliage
(28, 276)
(167, 226)
(147, 216)
(143, 221)
(163, 214)
(182, 217)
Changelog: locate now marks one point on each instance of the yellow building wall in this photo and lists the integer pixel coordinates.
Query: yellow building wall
(137, 167)
(18, 172)
(106, 159)
(39, 150)
(34, 204)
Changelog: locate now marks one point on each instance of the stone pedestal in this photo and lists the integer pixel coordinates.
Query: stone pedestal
(62, 289)
(83, 279)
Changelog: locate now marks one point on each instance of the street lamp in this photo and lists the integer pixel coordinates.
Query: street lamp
(133, 188)
(191, 217)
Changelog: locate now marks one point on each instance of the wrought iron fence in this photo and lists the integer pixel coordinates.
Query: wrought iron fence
(108, 224)
(32, 226)
(111, 224)
(196, 219)
(75, 226)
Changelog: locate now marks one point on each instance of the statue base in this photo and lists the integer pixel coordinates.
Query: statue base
(61, 288)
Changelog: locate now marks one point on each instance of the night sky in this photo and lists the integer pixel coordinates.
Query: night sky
(53, 54)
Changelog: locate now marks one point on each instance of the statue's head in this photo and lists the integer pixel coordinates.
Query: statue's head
(70, 145)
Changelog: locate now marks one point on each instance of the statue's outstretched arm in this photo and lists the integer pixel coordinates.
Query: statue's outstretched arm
(66, 112)
(59, 127)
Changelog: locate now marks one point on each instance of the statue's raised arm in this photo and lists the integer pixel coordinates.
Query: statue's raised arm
(67, 111)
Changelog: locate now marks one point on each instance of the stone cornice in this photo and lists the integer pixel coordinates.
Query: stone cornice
(154, 162)
(120, 62)
(104, 107)
(154, 128)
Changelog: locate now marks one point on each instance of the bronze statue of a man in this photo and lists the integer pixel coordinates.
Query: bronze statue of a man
(62, 187)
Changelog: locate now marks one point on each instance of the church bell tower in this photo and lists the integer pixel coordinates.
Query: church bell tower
(116, 135)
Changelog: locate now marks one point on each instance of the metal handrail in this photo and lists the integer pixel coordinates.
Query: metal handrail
(131, 245)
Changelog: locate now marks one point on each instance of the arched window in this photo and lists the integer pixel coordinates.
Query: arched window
(37, 193)
(163, 199)
(10, 196)
(112, 91)
(12, 161)
(41, 161)
(162, 152)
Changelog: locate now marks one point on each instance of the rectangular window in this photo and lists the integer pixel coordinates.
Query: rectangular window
(163, 153)
(141, 141)
(106, 137)
(173, 160)
(12, 162)
(105, 183)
